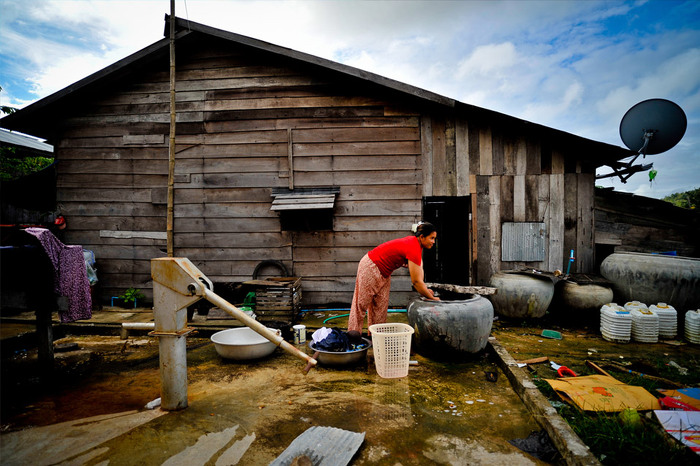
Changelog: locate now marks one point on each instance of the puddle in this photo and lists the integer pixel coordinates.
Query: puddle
(442, 413)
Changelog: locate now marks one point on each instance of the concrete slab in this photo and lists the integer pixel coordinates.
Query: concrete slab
(56, 443)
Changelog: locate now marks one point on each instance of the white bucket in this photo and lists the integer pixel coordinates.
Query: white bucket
(392, 349)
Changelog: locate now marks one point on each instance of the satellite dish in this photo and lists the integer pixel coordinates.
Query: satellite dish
(650, 127)
(653, 126)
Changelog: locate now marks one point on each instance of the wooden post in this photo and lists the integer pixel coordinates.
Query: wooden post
(171, 141)
(290, 157)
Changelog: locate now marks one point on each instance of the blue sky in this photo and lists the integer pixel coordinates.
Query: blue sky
(577, 66)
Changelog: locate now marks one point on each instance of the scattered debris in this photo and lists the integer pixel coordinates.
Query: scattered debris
(533, 360)
(621, 368)
(683, 426)
(537, 444)
(602, 393)
(631, 418)
(153, 404)
(322, 445)
(564, 371)
(551, 334)
(681, 370)
(597, 368)
(689, 396)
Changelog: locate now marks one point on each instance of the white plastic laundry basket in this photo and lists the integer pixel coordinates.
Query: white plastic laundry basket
(392, 349)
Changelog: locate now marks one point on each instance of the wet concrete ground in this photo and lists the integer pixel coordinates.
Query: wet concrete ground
(249, 412)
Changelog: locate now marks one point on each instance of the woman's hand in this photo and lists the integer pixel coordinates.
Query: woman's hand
(416, 272)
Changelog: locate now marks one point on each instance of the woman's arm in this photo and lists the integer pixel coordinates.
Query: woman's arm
(416, 272)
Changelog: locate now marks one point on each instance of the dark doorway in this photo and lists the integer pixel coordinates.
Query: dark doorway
(448, 261)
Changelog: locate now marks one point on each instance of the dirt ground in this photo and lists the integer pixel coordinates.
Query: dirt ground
(667, 364)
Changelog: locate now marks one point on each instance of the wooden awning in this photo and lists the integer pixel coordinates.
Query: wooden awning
(304, 198)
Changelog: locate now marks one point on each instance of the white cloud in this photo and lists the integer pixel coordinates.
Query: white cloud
(557, 63)
(489, 61)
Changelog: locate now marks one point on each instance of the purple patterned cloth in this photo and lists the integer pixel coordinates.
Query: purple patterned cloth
(70, 275)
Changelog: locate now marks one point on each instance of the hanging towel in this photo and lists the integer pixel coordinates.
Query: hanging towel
(70, 275)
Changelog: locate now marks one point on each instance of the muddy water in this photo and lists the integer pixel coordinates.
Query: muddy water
(248, 413)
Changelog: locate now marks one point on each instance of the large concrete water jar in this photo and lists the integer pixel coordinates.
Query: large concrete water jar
(654, 278)
(521, 295)
(452, 326)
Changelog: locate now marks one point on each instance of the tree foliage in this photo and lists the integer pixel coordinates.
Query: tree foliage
(687, 200)
(13, 167)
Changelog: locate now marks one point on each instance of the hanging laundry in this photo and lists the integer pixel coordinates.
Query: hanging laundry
(70, 274)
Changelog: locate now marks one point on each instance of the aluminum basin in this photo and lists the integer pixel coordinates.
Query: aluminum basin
(335, 358)
(243, 343)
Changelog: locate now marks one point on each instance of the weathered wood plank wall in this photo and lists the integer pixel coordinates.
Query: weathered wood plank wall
(236, 111)
(249, 122)
(515, 176)
(628, 223)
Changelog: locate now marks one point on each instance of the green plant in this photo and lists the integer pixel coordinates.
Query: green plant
(131, 295)
(687, 200)
(615, 442)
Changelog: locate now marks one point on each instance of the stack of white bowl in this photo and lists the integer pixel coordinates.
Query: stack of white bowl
(615, 323)
(668, 319)
(645, 324)
(692, 326)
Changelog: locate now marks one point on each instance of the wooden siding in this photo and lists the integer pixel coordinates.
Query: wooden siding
(236, 112)
(629, 223)
(518, 177)
(249, 122)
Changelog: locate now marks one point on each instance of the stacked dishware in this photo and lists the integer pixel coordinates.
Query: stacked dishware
(645, 323)
(692, 326)
(668, 320)
(615, 323)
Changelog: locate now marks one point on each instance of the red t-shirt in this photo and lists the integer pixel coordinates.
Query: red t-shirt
(394, 254)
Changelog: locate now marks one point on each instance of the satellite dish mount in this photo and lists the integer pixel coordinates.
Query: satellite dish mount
(650, 127)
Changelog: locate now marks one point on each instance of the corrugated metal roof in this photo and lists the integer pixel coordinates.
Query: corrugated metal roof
(323, 446)
(11, 138)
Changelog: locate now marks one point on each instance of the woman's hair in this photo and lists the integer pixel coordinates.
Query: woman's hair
(424, 229)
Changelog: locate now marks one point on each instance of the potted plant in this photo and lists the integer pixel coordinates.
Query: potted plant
(131, 296)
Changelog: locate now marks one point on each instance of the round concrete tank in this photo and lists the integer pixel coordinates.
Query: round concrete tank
(451, 326)
(654, 278)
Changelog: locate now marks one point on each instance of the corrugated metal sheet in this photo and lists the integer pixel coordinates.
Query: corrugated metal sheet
(304, 198)
(324, 446)
(523, 241)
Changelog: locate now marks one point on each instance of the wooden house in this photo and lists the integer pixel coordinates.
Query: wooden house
(283, 156)
(628, 223)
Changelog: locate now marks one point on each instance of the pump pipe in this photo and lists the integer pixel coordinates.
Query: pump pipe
(242, 317)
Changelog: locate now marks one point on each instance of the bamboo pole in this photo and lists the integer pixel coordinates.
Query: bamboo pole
(171, 141)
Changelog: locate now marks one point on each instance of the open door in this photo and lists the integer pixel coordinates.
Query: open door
(448, 261)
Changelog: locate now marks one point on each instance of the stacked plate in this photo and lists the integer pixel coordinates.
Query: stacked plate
(645, 326)
(668, 320)
(615, 323)
(692, 326)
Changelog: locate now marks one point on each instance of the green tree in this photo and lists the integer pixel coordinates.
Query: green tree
(687, 200)
(13, 167)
